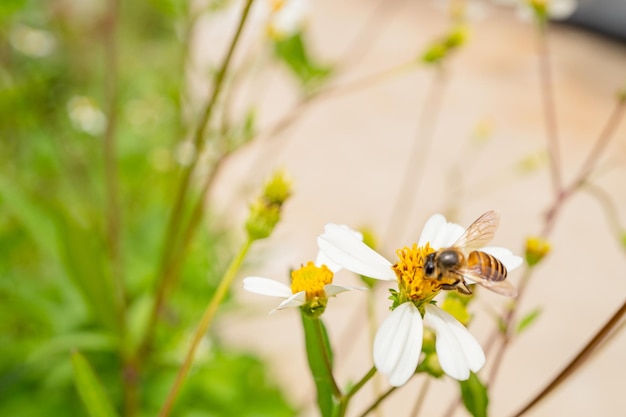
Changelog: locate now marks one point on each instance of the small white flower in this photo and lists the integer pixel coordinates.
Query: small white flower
(311, 284)
(398, 342)
(288, 17)
(555, 9)
(33, 42)
(86, 116)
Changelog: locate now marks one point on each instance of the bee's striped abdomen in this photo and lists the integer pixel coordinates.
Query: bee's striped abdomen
(491, 268)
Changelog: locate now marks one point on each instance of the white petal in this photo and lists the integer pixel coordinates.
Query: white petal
(457, 350)
(439, 233)
(398, 344)
(508, 259)
(332, 289)
(266, 286)
(562, 9)
(324, 260)
(343, 248)
(296, 300)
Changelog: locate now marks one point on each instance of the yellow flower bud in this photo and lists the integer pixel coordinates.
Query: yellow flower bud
(536, 249)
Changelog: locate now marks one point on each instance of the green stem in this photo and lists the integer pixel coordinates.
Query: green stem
(345, 399)
(379, 400)
(165, 275)
(319, 333)
(362, 382)
(205, 323)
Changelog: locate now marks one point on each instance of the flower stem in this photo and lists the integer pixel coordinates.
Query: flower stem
(319, 333)
(361, 382)
(549, 107)
(584, 354)
(419, 402)
(417, 154)
(345, 399)
(205, 323)
(165, 275)
(379, 400)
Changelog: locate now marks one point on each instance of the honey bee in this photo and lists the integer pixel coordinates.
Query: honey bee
(462, 262)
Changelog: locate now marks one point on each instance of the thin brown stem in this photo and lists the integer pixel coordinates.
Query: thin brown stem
(332, 91)
(601, 143)
(580, 358)
(113, 207)
(419, 402)
(549, 107)
(585, 170)
(417, 154)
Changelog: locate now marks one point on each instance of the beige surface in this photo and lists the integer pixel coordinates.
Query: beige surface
(347, 156)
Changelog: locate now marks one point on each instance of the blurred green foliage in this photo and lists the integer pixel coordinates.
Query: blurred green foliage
(58, 284)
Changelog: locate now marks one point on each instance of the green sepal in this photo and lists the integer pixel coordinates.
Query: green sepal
(90, 389)
(314, 329)
(474, 394)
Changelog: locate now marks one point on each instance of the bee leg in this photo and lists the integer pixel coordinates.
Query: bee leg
(463, 288)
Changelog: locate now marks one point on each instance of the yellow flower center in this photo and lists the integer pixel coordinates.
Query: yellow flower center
(410, 272)
(311, 279)
(276, 5)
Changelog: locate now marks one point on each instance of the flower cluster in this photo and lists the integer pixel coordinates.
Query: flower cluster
(398, 342)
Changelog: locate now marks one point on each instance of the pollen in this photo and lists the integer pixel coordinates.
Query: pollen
(311, 279)
(410, 272)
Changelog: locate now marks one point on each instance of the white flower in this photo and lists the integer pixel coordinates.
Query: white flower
(311, 284)
(288, 17)
(398, 342)
(86, 116)
(555, 9)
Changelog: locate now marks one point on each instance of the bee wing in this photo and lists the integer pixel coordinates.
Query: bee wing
(479, 233)
(478, 275)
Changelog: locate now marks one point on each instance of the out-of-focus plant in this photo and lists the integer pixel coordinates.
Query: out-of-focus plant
(93, 123)
(109, 258)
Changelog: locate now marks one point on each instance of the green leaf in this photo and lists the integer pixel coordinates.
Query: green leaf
(313, 327)
(90, 389)
(527, 320)
(293, 52)
(74, 247)
(474, 395)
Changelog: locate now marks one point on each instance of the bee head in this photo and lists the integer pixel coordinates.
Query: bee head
(429, 265)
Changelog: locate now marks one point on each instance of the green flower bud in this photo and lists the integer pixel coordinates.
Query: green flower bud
(536, 249)
(278, 189)
(457, 307)
(265, 211)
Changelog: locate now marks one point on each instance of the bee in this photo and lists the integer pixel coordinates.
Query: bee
(461, 261)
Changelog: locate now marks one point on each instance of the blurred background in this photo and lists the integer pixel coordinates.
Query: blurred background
(381, 112)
